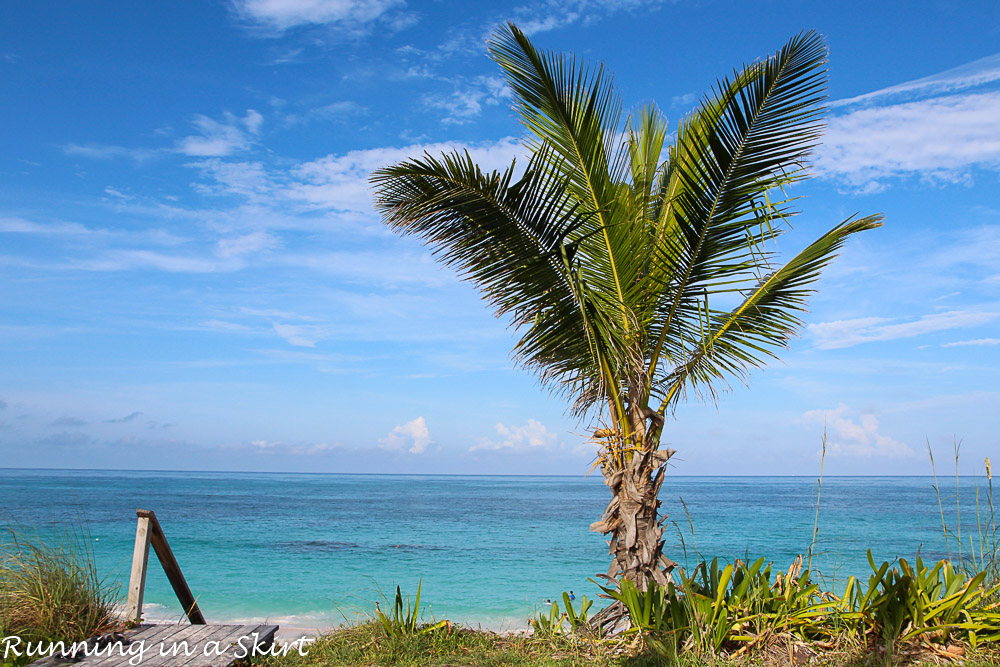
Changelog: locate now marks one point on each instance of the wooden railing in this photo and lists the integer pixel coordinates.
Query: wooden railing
(149, 532)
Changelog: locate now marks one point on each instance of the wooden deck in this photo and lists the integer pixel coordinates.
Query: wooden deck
(146, 645)
(177, 646)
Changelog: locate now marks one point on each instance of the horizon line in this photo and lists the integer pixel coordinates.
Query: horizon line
(433, 474)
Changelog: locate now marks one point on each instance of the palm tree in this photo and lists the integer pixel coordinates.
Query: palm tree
(636, 269)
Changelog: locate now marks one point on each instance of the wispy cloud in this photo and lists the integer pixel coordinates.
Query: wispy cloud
(341, 111)
(850, 332)
(976, 343)
(978, 72)
(279, 448)
(340, 182)
(68, 421)
(118, 194)
(300, 335)
(538, 17)
(127, 260)
(111, 152)
(214, 138)
(219, 138)
(857, 435)
(246, 244)
(280, 15)
(532, 435)
(552, 14)
(413, 436)
(229, 327)
(937, 139)
(69, 439)
(936, 128)
(73, 232)
(132, 416)
(22, 226)
(467, 100)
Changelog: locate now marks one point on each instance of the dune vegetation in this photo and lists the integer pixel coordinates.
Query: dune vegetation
(50, 589)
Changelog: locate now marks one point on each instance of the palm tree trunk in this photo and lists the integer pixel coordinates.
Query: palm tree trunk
(631, 519)
(632, 522)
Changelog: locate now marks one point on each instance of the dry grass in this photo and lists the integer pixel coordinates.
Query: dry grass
(50, 589)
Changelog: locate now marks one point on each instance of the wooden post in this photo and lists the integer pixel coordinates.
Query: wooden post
(170, 567)
(137, 580)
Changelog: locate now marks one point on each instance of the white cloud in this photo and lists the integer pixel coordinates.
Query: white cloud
(551, 14)
(533, 435)
(123, 260)
(927, 128)
(847, 333)
(216, 139)
(126, 260)
(340, 182)
(300, 335)
(977, 342)
(339, 110)
(938, 139)
(279, 314)
(109, 152)
(246, 179)
(858, 436)
(284, 448)
(979, 72)
(222, 325)
(22, 226)
(281, 15)
(246, 244)
(75, 230)
(414, 436)
(465, 103)
(117, 193)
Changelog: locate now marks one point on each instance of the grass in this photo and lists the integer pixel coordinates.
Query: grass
(368, 645)
(979, 549)
(50, 589)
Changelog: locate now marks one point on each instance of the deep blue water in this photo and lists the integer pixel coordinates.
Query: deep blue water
(316, 549)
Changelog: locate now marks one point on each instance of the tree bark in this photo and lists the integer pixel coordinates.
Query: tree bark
(632, 522)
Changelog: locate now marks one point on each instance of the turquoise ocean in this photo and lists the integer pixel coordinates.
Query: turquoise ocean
(314, 550)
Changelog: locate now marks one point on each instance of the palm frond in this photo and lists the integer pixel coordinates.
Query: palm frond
(751, 137)
(747, 337)
(517, 240)
(572, 110)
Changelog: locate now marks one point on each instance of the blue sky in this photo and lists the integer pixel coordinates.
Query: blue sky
(193, 276)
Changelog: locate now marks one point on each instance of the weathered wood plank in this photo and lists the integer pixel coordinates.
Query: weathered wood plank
(227, 646)
(151, 653)
(137, 579)
(179, 648)
(160, 640)
(173, 571)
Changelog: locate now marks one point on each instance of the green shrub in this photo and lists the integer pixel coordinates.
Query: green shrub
(739, 607)
(557, 622)
(405, 619)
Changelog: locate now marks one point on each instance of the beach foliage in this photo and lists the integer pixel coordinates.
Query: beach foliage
(50, 589)
(736, 608)
(404, 618)
(637, 263)
(569, 620)
(977, 549)
(367, 645)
